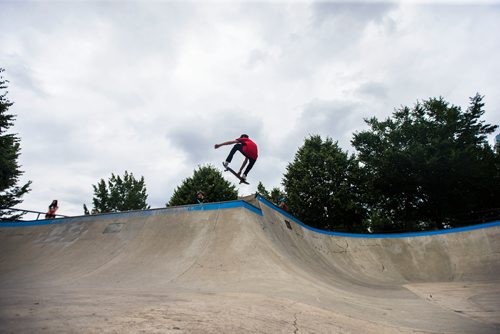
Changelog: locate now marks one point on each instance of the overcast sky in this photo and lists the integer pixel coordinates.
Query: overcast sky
(150, 87)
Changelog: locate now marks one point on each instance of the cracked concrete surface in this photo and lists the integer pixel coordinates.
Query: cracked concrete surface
(229, 269)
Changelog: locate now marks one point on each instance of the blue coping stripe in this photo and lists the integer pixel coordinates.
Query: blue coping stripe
(140, 213)
(225, 205)
(239, 204)
(375, 235)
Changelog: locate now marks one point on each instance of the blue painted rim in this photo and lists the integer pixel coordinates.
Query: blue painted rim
(248, 206)
(375, 235)
(140, 213)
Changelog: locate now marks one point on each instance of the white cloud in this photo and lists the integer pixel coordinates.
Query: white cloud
(149, 87)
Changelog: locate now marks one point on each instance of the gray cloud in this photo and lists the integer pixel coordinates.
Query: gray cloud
(373, 89)
(255, 58)
(196, 135)
(353, 12)
(340, 26)
(149, 87)
(334, 119)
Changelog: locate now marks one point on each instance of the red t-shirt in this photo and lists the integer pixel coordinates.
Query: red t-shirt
(249, 148)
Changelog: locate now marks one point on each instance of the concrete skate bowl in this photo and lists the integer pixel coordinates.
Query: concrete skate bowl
(242, 267)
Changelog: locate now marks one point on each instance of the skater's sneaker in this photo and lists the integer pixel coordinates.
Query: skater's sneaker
(244, 177)
(225, 164)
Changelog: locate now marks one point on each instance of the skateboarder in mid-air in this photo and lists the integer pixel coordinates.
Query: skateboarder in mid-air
(247, 147)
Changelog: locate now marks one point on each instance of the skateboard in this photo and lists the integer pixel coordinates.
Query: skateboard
(235, 174)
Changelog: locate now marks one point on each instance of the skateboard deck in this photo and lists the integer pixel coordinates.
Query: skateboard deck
(235, 174)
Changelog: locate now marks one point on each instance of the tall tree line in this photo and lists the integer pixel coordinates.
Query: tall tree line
(426, 167)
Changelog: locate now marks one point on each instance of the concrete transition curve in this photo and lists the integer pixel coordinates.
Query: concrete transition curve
(242, 267)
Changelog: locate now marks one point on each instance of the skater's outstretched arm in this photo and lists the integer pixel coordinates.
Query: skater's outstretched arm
(226, 143)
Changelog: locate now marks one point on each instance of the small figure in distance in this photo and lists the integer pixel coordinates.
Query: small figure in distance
(200, 197)
(282, 205)
(249, 150)
(52, 210)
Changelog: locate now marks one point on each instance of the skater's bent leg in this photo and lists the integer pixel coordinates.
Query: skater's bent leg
(237, 147)
(243, 165)
(250, 165)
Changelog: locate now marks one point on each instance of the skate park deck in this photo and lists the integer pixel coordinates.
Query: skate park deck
(242, 267)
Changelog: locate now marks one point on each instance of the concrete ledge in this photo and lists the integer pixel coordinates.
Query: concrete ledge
(139, 213)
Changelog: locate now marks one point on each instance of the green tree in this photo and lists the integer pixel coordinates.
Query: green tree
(120, 194)
(273, 196)
(207, 179)
(426, 165)
(319, 186)
(101, 200)
(261, 189)
(10, 193)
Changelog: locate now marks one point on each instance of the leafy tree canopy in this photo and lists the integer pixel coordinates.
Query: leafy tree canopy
(10, 192)
(319, 187)
(427, 164)
(207, 179)
(120, 194)
(273, 196)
